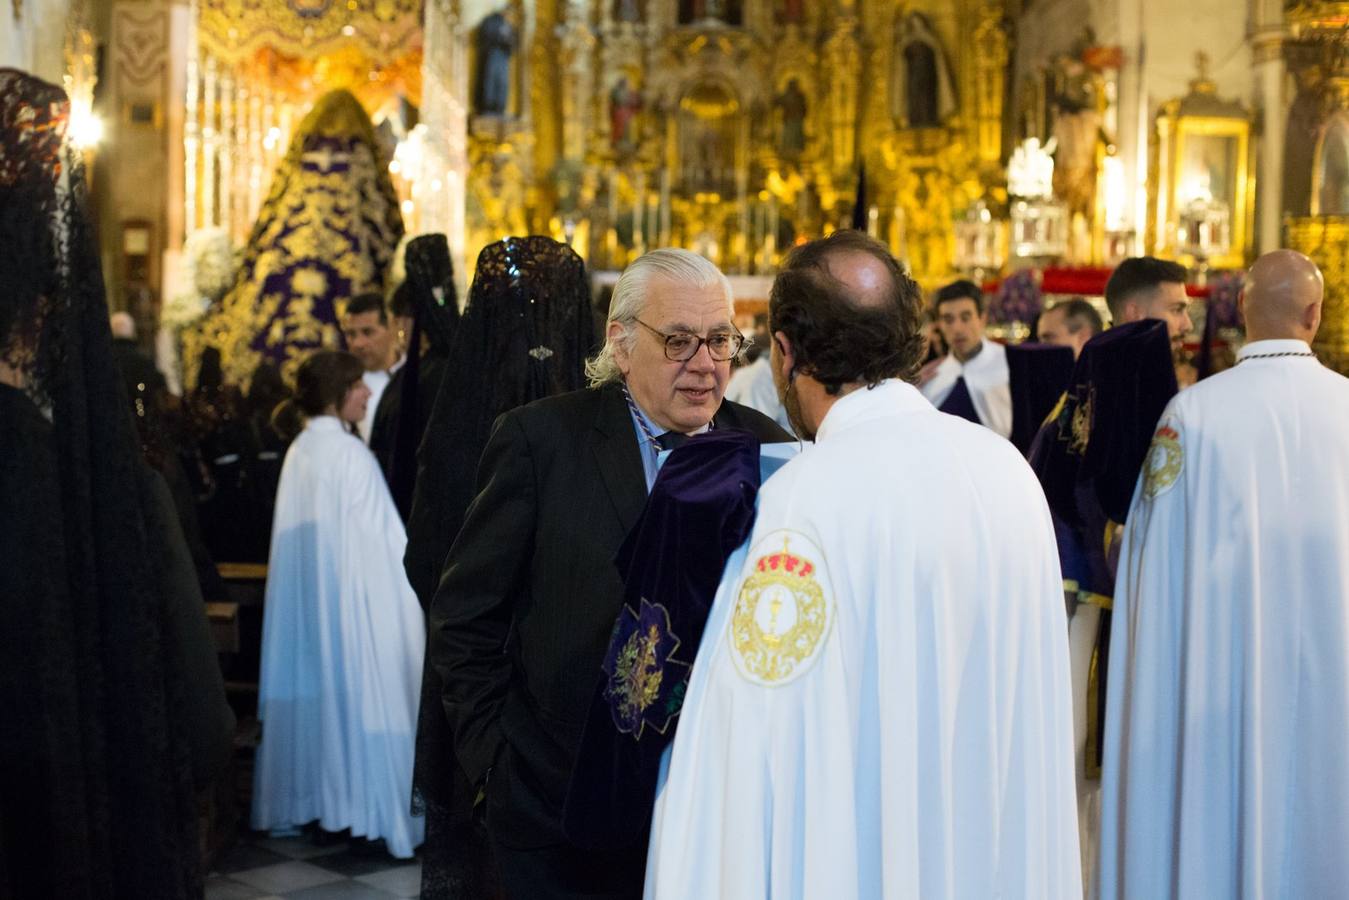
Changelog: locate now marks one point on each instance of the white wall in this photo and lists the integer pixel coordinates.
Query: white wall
(35, 41)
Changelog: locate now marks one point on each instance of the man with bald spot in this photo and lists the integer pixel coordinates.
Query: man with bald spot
(1225, 773)
(880, 707)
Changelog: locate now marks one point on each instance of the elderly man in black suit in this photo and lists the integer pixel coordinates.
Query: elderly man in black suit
(529, 594)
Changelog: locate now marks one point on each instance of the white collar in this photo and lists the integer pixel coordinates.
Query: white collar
(325, 422)
(890, 397)
(1265, 348)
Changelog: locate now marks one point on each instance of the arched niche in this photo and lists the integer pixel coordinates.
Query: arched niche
(709, 137)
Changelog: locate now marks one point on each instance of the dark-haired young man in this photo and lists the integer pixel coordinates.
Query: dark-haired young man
(369, 337)
(1144, 287)
(972, 381)
(880, 705)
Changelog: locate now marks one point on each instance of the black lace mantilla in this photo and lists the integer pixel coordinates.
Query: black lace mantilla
(96, 794)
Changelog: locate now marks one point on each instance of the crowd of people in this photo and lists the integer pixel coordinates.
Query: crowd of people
(920, 614)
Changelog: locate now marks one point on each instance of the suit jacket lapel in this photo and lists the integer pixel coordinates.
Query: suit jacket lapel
(614, 444)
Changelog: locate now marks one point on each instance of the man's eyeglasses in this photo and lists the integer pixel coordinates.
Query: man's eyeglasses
(682, 346)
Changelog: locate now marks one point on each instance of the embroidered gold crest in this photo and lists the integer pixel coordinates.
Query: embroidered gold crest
(1082, 421)
(1166, 458)
(782, 612)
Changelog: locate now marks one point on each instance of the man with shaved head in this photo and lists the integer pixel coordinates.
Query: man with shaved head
(1225, 766)
(879, 707)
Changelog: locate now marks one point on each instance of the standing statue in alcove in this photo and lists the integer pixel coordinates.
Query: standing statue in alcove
(624, 104)
(496, 43)
(922, 94)
(791, 104)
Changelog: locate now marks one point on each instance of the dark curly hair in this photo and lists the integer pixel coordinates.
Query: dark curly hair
(840, 338)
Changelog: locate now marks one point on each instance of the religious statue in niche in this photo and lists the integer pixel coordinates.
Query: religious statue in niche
(624, 104)
(496, 43)
(791, 104)
(725, 12)
(922, 94)
(629, 11)
(1075, 84)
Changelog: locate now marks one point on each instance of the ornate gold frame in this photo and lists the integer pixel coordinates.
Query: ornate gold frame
(1200, 114)
(1174, 132)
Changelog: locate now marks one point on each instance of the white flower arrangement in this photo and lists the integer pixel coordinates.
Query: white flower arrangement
(208, 269)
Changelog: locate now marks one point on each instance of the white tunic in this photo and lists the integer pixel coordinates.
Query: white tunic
(868, 717)
(342, 645)
(1228, 714)
(988, 380)
(753, 386)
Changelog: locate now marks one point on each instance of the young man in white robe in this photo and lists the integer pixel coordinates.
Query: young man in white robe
(972, 380)
(880, 704)
(1228, 712)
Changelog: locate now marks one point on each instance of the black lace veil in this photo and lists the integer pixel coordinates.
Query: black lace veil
(95, 780)
(435, 313)
(524, 335)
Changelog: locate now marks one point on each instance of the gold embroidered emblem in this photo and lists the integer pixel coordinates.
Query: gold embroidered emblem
(638, 674)
(1165, 460)
(781, 613)
(1082, 421)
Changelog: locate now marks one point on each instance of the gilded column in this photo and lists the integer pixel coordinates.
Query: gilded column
(210, 99)
(990, 74)
(225, 142)
(1326, 240)
(577, 48)
(1267, 42)
(445, 115)
(191, 128)
(843, 62)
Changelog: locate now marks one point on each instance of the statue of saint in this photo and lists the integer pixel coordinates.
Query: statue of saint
(496, 43)
(791, 105)
(922, 94)
(624, 104)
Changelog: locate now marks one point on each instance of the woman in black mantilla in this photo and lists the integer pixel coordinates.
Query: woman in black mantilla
(524, 335)
(104, 726)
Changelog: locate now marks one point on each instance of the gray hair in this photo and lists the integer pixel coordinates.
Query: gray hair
(630, 296)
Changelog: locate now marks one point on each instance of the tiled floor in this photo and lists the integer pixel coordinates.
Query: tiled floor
(262, 868)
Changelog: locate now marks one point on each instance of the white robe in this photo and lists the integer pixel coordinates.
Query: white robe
(988, 381)
(342, 644)
(1228, 713)
(753, 386)
(902, 728)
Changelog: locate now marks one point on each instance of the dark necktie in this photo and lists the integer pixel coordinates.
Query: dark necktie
(671, 439)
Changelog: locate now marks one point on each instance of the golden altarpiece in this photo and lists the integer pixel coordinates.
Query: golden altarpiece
(732, 127)
(738, 127)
